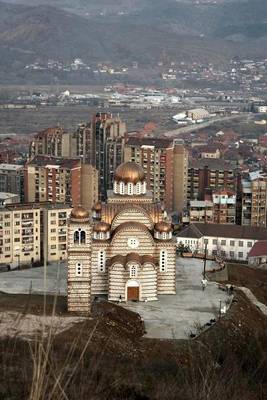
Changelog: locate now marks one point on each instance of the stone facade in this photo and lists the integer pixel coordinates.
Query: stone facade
(129, 254)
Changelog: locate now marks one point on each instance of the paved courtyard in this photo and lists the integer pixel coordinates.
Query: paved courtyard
(175, 316)
(172, 317)
(32, 280)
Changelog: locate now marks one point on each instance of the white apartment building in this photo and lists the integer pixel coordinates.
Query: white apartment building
(31, 233)
(231, 242)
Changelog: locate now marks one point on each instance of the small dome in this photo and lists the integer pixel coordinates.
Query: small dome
(102, 227)
(79, 213)
(97, 207)
(163, 227)
(129, 172)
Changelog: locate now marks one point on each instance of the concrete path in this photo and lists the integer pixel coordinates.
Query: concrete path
(175, 316)
(32, 280)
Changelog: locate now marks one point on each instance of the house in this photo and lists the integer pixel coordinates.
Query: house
(258, 253)
(232, 242)
(126, 252)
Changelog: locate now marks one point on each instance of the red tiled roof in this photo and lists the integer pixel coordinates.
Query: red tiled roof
(259, 249)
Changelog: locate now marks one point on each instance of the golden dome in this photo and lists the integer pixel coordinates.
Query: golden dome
(129, 172)
(163, 227)
(101, 227)
(97, 207)
(79, 213)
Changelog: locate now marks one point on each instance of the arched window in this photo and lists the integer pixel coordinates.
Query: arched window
(121, 188)
(101, 261)
(130, 188)
(76, 237)
(133, 271)
(138, 188)
(78, 269)
(79, 237)
(163, 261)
(83, 236)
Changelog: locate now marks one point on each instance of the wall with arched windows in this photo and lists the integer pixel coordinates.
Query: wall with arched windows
(79, 236)
(129, 188)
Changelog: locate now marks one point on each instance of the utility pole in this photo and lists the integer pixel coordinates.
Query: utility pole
(205, 261)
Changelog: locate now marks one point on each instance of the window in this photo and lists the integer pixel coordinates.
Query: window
(249, 244)
(79, 237)
(214, 241)
(232, 255)
(223, 242)
(17, 240)
(214, 252)
(163, 261)
(130, 188)
(232, 242)
(133, 271)
(101, 261)
(223, 253)
(240, 254)
(79, 269)
(206, 241)
(133, 243)
(240, 243)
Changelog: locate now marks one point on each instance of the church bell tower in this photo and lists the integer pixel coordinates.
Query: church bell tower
(79, 261)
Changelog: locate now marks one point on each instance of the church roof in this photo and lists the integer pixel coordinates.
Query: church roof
(131, 224)
(129, 172)
(109, 211)
(79, 213)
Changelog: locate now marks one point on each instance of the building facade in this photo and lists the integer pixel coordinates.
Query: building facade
(254, 199)
(61, 180)
(165, 163)
(31, 233)
(210, 174)
(232, 243)
(12, 179)
(54, 142)
(126, 252)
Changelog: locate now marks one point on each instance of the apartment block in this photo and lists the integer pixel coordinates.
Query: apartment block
(209, 175)
(31, 233)
(12, 179)
(224, 206)
(106, 148)
(200, 211)
(165, 163)
(55, 142)
(61, 180)
(254, 199)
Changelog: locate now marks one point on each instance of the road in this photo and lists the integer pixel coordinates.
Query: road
(191, 128)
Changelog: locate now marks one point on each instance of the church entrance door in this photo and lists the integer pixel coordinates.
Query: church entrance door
(133, 293)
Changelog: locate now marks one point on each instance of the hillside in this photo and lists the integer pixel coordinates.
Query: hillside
(185, 32)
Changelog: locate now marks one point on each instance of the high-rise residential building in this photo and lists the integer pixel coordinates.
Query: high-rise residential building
(100, 142)
(106, 146)
(254, 199)
(209, 175)
(60, 180)
(12, 179)
(55, 142)
(165, 163)
(31, 233)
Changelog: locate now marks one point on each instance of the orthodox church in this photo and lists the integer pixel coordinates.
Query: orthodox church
(124, 250)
